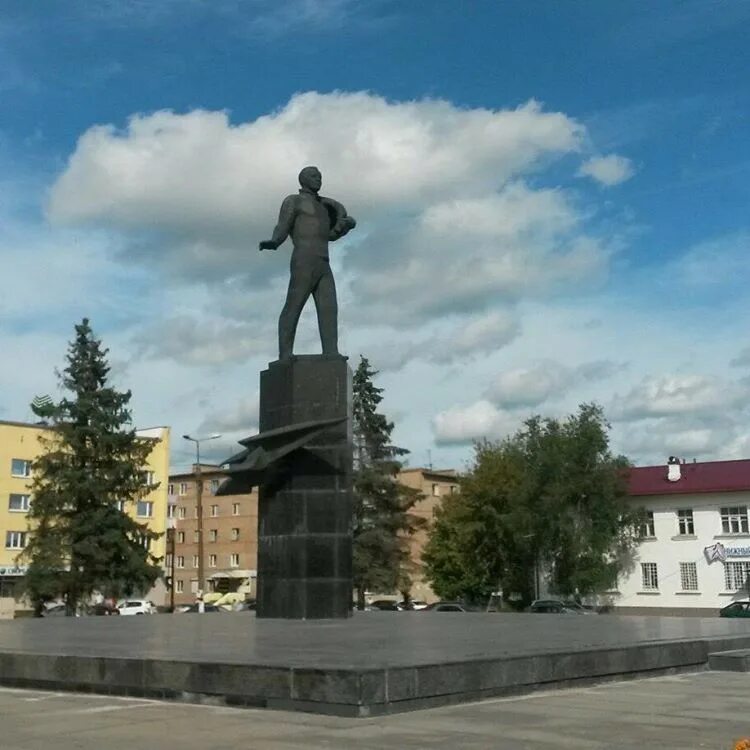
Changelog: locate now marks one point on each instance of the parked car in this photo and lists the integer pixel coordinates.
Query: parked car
(558, 607)
(386, 605)
(445, 607)
(412, 604)
(103, 610)
(736, 609)
(249, 605)
(136, 607)
(56, 610)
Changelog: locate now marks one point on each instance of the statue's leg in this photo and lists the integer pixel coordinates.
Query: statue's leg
(324, 294)
(300, 286)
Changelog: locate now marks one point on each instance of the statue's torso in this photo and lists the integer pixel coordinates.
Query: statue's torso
(312, 227)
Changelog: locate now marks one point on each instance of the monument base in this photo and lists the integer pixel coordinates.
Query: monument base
(305, 510)
(377, 663)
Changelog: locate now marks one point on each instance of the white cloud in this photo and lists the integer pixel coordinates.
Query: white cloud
(607, 170)
(464, 424)
(680, 394)
(239, 417)
(543, 381)
(196, 192)
(496, 249)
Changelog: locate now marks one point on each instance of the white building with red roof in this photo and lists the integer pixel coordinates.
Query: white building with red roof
(694, 556)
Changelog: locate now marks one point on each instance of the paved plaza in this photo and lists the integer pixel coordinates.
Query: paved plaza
(703, 710)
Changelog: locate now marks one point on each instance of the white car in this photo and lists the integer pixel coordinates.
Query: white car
(136, 607)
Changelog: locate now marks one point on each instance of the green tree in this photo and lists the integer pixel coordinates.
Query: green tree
(383, 519)
(90, 471)
(551, 500)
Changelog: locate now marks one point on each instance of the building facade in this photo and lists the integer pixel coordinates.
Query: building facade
(694, 553)
(435, 485)
(230, 536)
(19, 447)
(230, 532)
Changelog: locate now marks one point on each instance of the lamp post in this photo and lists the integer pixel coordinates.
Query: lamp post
(199, 509)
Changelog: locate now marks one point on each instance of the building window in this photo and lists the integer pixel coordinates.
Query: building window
(120, 505)
(144, 540)
(183, 488)
(736, 575)
(19, 467)
(180, 586)
(182, 511)
(435, 490)
(145, 509)
(19, 503)
(685, 525)
(650, 577)
(149, 478)
(168, 561)
(195, 561)
(214, 511)
(171, 511)
(196, 536)
(195, 512)
(235, 509)
(15, 539)
(213, 535)
(734, 520)
(454, 489)
(170, 489)
(214, 486)
(235, 534)
(234, 560)
(212, 561)
(648, 530)
(180, 561)
(689, 576)
(180, 537)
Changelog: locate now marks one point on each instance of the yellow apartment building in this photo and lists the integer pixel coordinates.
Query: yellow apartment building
(19, 447)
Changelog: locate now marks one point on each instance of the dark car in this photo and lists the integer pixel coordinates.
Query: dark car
(385, 605)
(736, 609)
(445, 607)
(247, 606)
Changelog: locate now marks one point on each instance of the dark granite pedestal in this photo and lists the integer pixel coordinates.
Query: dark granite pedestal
(305, 509)
(374, 663)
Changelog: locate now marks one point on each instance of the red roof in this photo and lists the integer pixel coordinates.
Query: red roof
(709, 476)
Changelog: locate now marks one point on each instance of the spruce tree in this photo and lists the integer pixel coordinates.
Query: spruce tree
(383, 519)
(90, 472)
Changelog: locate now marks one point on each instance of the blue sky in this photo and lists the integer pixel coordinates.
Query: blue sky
(552, 198)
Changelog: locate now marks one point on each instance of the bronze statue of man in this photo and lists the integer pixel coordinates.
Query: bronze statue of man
(313, 222)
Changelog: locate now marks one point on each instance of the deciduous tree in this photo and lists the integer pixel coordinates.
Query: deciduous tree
(549, 501)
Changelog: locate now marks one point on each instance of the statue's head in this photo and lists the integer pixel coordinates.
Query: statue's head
(311, 179)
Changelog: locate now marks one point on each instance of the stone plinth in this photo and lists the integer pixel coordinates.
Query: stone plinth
(305, 508)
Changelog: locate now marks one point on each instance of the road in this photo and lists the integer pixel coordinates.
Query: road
(705, 710)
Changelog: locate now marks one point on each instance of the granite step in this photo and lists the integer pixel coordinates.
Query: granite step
(730, 661)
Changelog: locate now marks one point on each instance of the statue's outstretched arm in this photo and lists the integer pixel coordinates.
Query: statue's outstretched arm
(283, 226)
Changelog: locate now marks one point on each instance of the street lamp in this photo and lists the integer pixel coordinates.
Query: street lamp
(199, 508)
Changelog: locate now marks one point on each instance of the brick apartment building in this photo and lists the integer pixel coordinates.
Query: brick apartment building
(230, 532)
